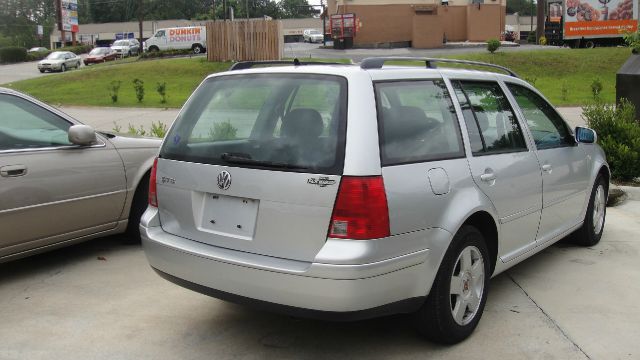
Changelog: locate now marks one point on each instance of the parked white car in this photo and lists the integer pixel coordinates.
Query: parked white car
(312, 36)
(125, 48)
(59, 61)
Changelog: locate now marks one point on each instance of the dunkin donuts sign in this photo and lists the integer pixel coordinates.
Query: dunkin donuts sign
(185, 34)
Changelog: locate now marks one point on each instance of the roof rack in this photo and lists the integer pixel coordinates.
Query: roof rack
(378, 62)
(242, 65)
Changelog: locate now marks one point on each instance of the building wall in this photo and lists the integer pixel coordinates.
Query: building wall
(401, 23)
(381, 23)
(485, 21)
(428, 30)
(455, 22)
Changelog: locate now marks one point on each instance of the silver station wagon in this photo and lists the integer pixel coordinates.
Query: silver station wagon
(347, 192)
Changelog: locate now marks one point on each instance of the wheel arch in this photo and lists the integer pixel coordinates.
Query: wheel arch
(133, 185)
(484, 222)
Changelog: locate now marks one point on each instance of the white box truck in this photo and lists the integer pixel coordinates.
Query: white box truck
(188, 37)
(589, 23)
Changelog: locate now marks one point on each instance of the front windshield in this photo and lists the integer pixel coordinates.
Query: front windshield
(98, 51)
(55, 56)
(121, 43)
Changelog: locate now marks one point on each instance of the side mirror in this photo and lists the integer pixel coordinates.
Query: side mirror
(82, 135)
(585, 135)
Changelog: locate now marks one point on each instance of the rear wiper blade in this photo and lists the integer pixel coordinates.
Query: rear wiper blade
(243, 159)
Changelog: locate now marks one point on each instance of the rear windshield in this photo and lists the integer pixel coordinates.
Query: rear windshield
(275, 121)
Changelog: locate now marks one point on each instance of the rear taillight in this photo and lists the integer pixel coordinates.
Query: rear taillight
(153, 189)
(360, 211)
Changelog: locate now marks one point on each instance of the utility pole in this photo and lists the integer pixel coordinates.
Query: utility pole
(540, 19)
(140, 20)
(323, 16)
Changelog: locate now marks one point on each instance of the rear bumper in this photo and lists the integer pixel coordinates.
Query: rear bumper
(338, 291)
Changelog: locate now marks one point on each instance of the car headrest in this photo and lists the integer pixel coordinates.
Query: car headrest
(302, 124)
(407, 122)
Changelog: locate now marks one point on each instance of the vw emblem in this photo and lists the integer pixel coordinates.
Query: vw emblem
(224, 180)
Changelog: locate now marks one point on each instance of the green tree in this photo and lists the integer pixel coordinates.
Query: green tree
(522, 7)
(19, 20)
(296, 9)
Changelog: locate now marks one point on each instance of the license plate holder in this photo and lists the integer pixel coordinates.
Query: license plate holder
(230, 215)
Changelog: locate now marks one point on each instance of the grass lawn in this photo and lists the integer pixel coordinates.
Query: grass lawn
(552, 69)
(90, 85)
(575, 68)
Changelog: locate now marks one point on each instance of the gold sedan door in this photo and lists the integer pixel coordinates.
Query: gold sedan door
(50, 189)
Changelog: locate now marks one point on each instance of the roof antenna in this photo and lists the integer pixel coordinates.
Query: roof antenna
(296, 62)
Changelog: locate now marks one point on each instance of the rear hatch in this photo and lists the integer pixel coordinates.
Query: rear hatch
(253, 163)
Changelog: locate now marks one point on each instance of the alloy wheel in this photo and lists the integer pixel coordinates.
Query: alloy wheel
(467, 285)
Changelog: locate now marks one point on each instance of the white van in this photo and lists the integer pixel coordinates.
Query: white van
(190, 37)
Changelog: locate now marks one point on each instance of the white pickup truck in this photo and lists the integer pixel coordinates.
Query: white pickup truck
(190, 37)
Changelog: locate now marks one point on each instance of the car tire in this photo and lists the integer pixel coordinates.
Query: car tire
(63, 68)
(138, 207)
(197, 49)
(449, 316)
(42, 71)
(129, 53)
(593, 226)
(153, 49)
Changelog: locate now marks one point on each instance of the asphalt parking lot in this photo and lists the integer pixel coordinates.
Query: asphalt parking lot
(100, 300)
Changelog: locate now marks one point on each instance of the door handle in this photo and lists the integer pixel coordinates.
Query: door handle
(13, 170)
(547, 168)
(488, 177)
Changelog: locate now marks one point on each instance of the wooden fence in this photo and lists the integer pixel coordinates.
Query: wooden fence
(244, 40)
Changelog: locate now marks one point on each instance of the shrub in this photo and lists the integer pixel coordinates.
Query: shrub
(165, 53)
(618, 135)
(114, 88)
(633, 41)
(79, 49)
(542, 40)
(161, 88)
(34, 56)
(158, 130)
(222, 131)
(596, 88)
(138, 86)
(140, 131)
(13, 54)
(531, 38)
(565, 91)
(531, 80)
(493, 45)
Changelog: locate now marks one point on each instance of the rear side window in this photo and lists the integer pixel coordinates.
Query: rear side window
(276, 121)
(417, 122)
(547, 127)
(492, 125)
